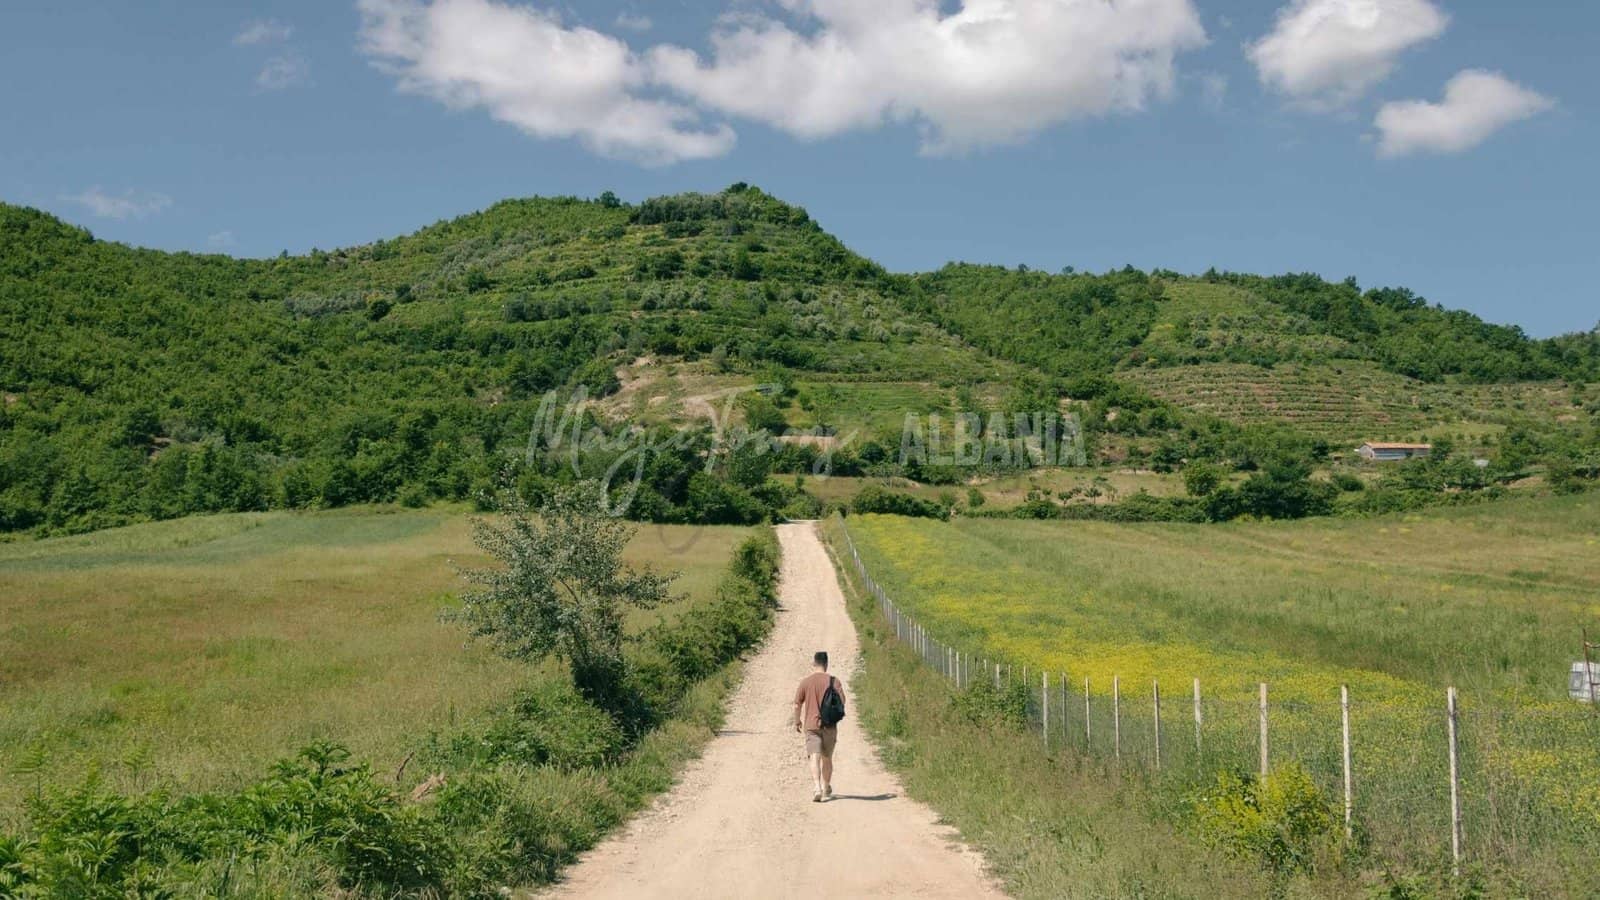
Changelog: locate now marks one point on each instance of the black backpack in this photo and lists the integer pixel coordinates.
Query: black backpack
(831, 710)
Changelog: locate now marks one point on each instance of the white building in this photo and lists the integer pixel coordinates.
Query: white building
(1381, 451)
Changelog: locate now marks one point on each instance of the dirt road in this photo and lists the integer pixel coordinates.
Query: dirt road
(741, 823)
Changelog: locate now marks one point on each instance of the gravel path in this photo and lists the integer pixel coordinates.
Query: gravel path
(740, 822)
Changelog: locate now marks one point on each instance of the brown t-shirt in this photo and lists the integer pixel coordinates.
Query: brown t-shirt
(808, 696)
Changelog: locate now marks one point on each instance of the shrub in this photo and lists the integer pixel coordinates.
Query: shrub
(716, 502)
(547, 724)
(981, 703)
(1202, 479)
(12, 873)
(1037, 506)
(875, 499)
(760, 413)
(88, 842)
(1348, 482)
(1283, 821)
(802, 505)
(756, 561)
(671, 655)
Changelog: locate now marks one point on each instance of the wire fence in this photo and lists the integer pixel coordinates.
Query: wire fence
(1443, 785)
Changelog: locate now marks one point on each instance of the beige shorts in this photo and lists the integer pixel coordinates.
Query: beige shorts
(821, 741)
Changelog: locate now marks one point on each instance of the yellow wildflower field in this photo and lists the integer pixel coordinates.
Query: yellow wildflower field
(1488, 598)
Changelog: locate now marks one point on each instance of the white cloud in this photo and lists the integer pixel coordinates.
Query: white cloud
(286, 70)
(634, 21)
(222, 240)
(1476, 104)
(993, 72)
(262, 31)
(525, 68)
(1327, 53)
(130, 204)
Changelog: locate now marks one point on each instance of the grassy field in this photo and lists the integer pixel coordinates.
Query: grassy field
(1488, 598)
(190, 653)
(1050, 825)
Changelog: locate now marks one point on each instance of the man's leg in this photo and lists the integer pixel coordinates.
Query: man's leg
(829, 737)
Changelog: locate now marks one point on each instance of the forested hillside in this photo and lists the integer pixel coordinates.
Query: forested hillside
(140, 384)
(1073, 324)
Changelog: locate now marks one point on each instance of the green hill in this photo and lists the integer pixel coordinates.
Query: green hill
(139, 384)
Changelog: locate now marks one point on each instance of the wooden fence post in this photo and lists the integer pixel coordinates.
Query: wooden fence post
(1116, 717)
(1066, 718)
(1198, 719)
(1155, 695)
(1044, 709)
(1349, 796)
(1263, 730)
(1088, 735)
(1455, 791)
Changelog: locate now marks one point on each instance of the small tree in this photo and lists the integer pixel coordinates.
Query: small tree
(561, 588)
(1201, 478)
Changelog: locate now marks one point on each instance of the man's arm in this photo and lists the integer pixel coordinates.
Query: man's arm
(799, 706)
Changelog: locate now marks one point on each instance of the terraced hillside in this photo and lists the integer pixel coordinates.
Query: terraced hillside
(1355, 401)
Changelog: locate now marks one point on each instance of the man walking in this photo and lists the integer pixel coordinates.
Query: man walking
(818, 707)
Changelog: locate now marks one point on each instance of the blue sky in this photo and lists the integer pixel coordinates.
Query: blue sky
(1444, 146)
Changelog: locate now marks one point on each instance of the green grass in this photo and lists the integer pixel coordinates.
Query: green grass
(1489, 598)
(191, 653)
